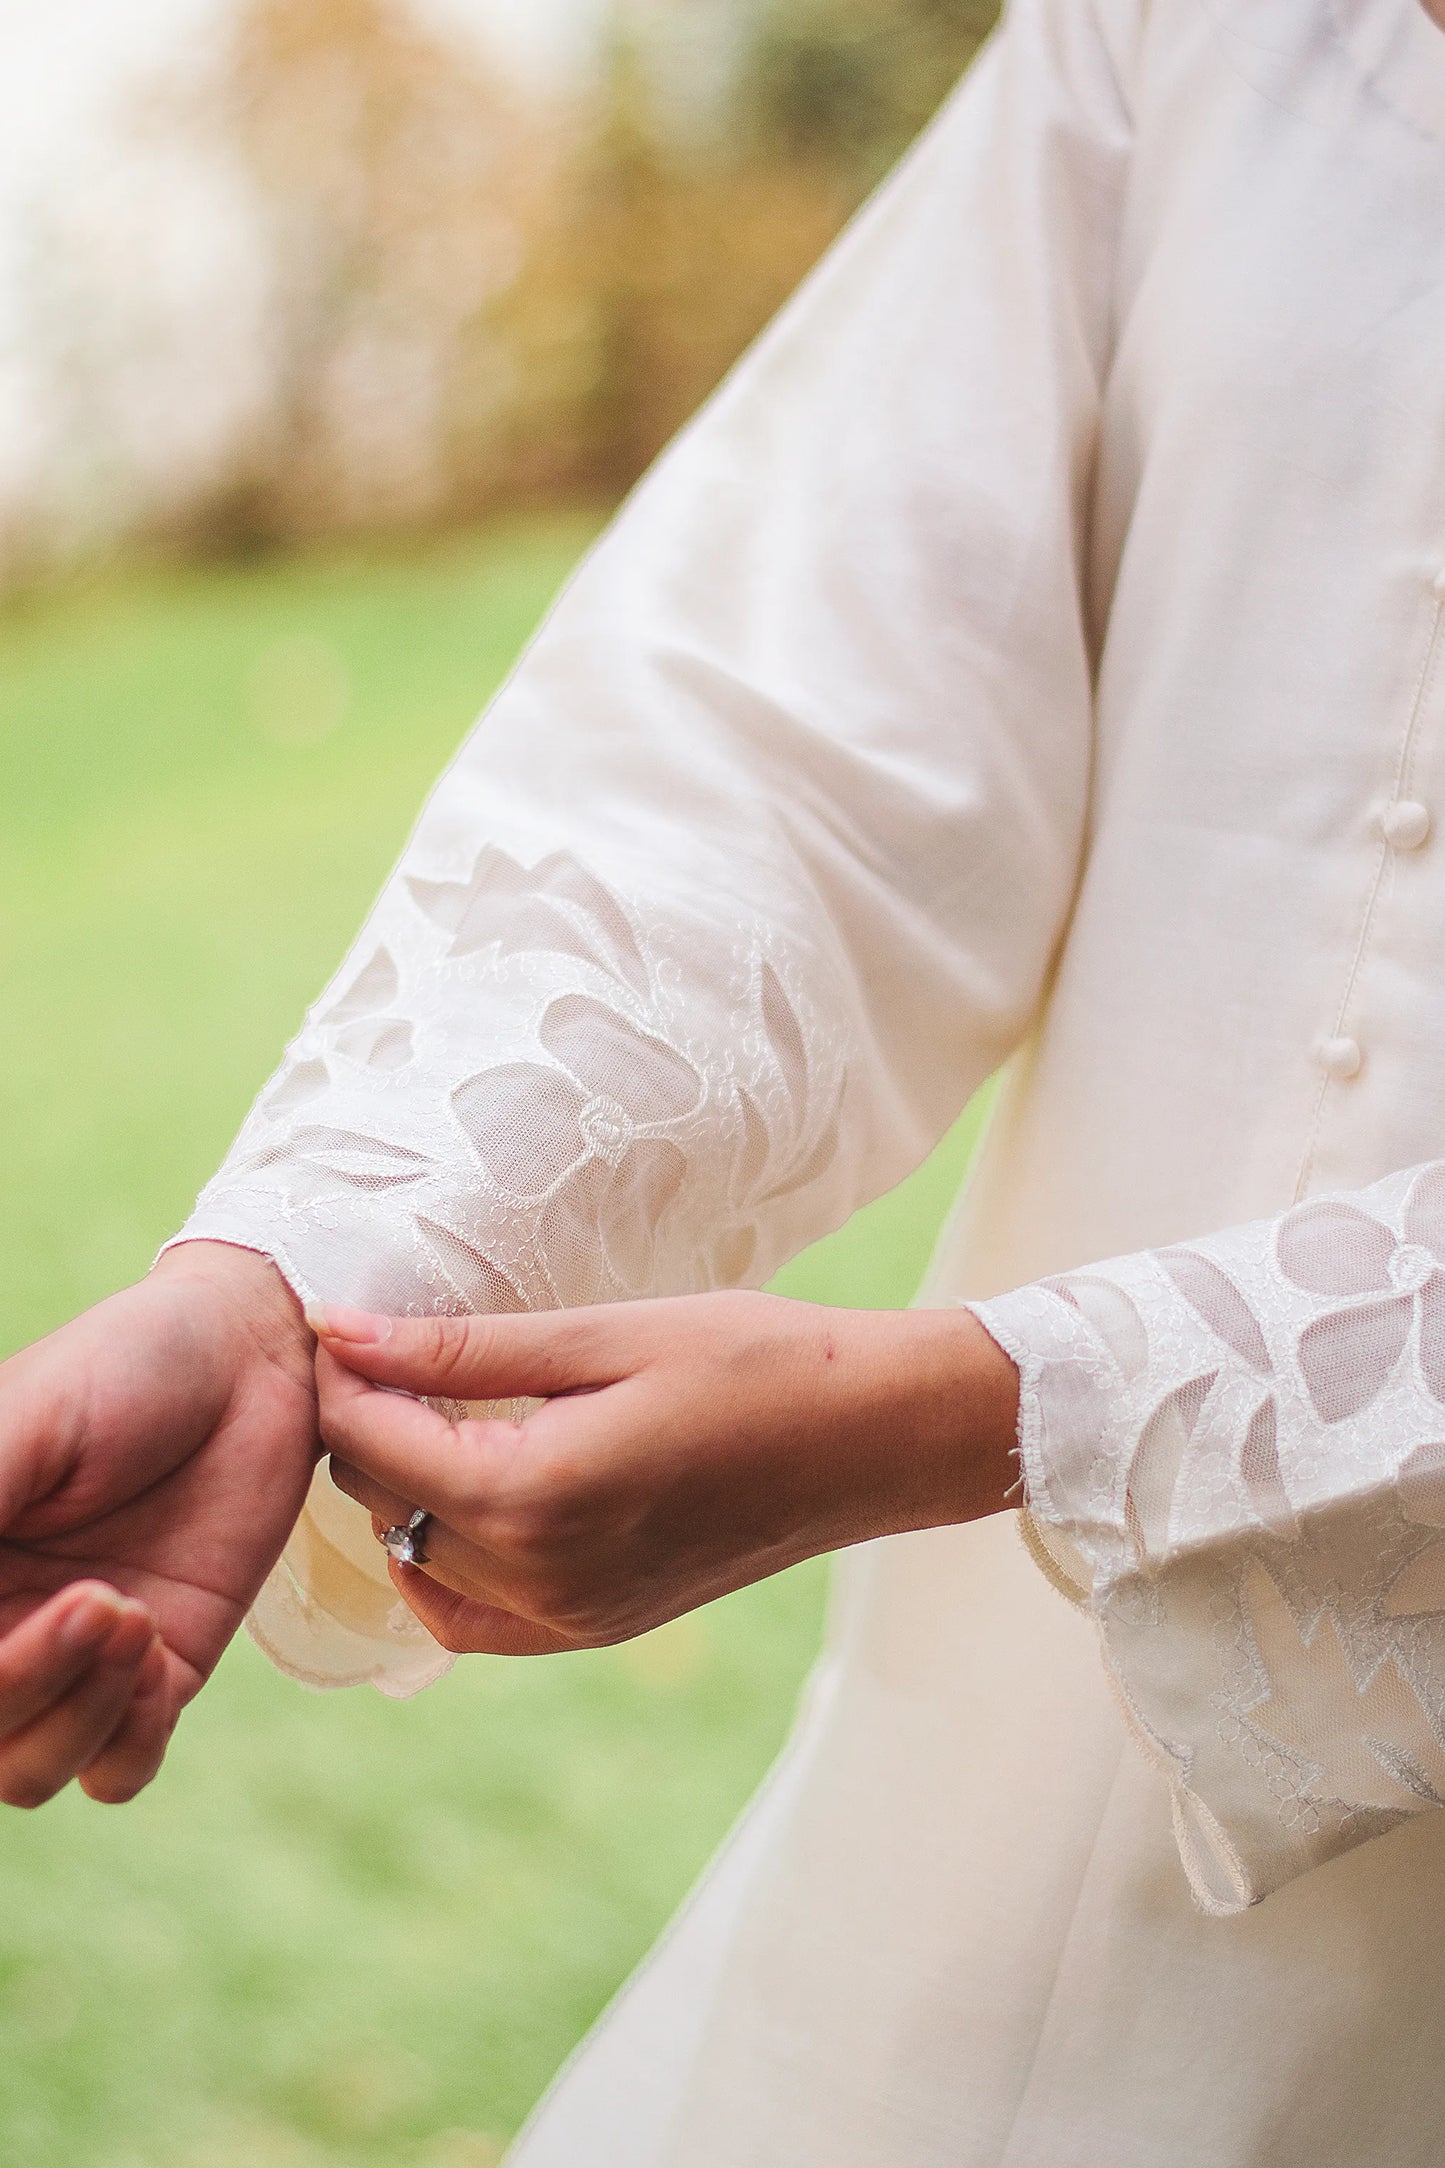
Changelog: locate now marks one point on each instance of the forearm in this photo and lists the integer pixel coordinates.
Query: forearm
(930, 1405)
(681, 1449)
(251, 1287)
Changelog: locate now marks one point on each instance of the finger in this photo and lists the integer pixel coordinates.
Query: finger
(467, 1627)
(409, 1450)
(41, 1659)
(40, 1761)
(40, 1439)
(134, 1752)
(485, 1358)
(387, 1510)
(453, 1560)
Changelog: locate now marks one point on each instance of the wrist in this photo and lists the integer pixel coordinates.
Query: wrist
(250, 1290)
(956, 1459)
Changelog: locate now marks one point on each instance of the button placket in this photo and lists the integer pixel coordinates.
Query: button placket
(1403, 824)
(1340, 1056)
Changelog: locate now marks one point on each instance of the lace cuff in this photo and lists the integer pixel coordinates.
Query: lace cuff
(524, 1091)
(1234, 1455)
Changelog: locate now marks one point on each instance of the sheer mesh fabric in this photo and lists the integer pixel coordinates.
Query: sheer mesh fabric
(525, 1091)
(1234, 1454)
(504, 1103)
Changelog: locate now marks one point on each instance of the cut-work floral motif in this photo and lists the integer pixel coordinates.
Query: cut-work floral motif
(1234, 1454)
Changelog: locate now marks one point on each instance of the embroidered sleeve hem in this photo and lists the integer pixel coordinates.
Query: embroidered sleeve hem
(1234, 1453)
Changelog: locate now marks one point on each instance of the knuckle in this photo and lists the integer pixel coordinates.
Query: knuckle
(433, 1336)
(736, 1302)
(450, 1344)
(471, 1483)
(536, 1514)
(586, 1616)
(573, 1341)
(544, 1523)
(332, 1428)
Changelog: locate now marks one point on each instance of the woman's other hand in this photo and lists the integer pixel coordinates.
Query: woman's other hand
(683, 1449)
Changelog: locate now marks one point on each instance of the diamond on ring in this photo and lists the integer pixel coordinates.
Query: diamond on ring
(404, 1542)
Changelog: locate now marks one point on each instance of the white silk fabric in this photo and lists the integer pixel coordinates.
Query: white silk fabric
(1033, 655)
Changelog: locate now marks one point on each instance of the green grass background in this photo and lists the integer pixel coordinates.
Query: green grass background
(338, 1932)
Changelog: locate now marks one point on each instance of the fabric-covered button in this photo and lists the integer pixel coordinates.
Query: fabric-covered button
(1340, 1058)
(1405, 824)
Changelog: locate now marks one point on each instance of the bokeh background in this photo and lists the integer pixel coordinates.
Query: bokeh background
(329, 332)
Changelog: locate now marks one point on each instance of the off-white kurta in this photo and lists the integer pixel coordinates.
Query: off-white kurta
(1034, 654)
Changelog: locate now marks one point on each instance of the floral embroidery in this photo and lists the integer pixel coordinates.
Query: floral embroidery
(1347, 1356)
(605, 1169)
(592, 1061)
(1235, 1451)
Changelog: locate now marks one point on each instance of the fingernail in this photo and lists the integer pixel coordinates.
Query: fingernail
(333, 1321)
(90, 1621)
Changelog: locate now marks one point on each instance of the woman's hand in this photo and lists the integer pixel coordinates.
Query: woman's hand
(153, 1457)
(684, 1448)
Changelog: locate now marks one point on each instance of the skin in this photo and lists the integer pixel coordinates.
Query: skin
(154, 1454)
(1436, 10)
(683, 1449)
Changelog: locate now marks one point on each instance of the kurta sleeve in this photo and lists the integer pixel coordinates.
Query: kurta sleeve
(1234, 1455)
(756, 867)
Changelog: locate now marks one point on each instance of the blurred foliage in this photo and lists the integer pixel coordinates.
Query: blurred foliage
(674, 253)
(449, 295)
(399, 188)
(690, 222)
(851, 82)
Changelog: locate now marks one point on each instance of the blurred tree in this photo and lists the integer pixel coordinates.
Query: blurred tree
(477, 302)
(422, 293)
(853, 81)
(398, 187)
(686, 238)
(680, 245)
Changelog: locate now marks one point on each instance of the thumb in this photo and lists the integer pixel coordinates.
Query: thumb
(531, 1356)
(39, 1441)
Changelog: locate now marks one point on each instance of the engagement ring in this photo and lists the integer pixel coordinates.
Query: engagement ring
(404, 1542)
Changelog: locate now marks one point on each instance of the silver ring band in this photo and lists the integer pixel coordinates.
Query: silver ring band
(405, 1542)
